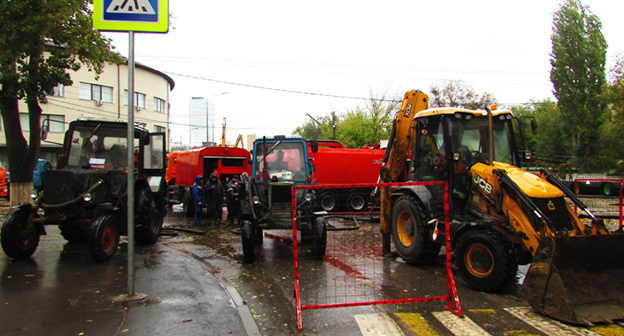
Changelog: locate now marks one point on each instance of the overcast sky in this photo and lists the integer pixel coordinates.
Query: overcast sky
(279, 60)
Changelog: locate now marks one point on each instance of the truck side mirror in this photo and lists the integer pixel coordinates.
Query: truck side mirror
(533, 126)
(314, 146)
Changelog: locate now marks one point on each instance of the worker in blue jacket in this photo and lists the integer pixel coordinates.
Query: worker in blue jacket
(198, 198)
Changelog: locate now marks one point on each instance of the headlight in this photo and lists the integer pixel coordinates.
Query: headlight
(87, 197)
(40, 212)
(34, 193)
(256, 200)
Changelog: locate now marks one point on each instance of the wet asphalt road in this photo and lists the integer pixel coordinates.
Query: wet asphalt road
(196, 284)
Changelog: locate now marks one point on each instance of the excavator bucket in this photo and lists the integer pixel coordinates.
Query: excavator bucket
(578, 280)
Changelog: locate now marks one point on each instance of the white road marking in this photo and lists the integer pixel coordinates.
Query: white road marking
(547, 325)
(459, 326)
(377, 325)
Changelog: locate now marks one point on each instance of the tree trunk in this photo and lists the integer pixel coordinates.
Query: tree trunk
(22, 157)
(20, 193)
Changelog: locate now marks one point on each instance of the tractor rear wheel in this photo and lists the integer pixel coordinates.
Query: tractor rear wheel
(149, 217)
(72, 232)
(103, 237)
(485, 259)
(19, 236)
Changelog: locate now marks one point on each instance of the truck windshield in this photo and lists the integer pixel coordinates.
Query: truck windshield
(97, 147)
(285, 161)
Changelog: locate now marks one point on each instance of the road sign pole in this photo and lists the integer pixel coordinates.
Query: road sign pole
(131, 164)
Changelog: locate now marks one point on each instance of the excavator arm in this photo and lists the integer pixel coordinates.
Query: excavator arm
(399, 146)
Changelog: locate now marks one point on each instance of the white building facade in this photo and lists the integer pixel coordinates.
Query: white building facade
(103, 98)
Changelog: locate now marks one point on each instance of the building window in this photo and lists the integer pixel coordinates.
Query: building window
(59, 90)
(159, 129)
(55, 123)
(139, 99)
(96, 92)
(159, 105)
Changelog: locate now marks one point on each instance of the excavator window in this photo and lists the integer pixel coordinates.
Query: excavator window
(429, 156)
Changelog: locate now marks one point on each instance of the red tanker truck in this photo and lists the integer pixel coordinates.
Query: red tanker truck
(336, 165)
(184, 166)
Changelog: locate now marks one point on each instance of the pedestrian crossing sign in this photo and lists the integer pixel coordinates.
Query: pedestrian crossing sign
(131, 15)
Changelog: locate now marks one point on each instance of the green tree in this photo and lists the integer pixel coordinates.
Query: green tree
(456, 93)
(550, 144)
(578, 75)
(613, 127)
(40, 41)
(357, 127)
(319, 128)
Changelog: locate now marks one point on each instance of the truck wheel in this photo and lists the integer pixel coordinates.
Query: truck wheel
(485, 259)
(19, 237)
(247, 234)
(409, 232)
(103, 238)
(319, 237)
(149, 217)
(73, 233)
(188, 204)
(357, 201)
(328, 201)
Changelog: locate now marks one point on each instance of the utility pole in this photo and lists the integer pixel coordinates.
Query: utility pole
(333, 114)
(333, 125)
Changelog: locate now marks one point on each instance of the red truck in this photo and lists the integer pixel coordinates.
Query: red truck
(184, 166)
(336, 165)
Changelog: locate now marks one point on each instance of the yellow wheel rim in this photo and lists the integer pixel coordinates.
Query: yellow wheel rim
(405, 228)
(479, 260)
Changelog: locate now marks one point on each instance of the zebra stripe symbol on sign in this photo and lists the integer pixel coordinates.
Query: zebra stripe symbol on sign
(130, 7)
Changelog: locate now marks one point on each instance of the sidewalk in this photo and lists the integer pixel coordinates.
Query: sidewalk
(61, 291)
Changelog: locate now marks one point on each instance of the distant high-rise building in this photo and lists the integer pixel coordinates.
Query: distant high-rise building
(201, 121)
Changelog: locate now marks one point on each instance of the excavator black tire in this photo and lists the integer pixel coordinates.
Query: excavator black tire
(485, 259)
(409, 233)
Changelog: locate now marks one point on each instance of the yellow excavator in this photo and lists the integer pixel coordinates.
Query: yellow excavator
(501, 215)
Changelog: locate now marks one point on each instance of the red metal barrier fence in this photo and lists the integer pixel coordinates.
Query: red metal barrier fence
(353, 271)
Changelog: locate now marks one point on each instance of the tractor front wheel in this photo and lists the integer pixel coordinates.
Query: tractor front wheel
(103, 237)
(19, 236)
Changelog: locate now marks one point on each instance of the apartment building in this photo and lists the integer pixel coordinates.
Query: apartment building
(103, 98)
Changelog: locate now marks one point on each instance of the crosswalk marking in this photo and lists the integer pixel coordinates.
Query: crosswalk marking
(546, 325)
(377, 325)
(417, 323)
(608, 330)
(459, 325)
(381, 324)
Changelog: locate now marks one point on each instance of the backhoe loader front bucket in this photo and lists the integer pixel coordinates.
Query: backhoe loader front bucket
(578, 279)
